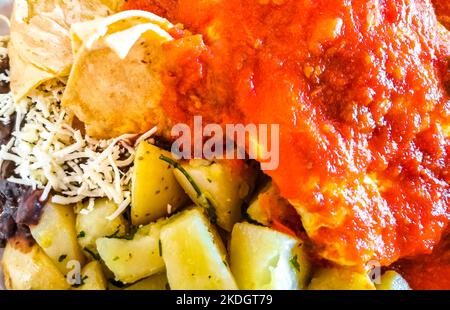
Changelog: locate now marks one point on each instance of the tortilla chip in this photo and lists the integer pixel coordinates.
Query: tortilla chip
(115, 85)
(20, 69)
(122, 42)
(40, 34)
(89, 32)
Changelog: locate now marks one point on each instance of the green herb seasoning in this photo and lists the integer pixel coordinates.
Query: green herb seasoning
(205, 201)
(82, 234)
(294, 263)
(94, 255)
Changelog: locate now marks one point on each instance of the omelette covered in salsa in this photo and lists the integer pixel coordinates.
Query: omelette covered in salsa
(361, 91)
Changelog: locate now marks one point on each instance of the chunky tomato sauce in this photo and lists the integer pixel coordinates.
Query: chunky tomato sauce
(359, 90)
(428, 272)
(443, 11)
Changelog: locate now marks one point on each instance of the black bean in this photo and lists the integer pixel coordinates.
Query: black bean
(30, 208)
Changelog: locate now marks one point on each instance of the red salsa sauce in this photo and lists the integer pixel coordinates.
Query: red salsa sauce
(442, 8)
(358, 88)
(428, 272)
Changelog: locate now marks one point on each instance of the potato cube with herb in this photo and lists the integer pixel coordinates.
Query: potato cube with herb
(157, 282)
(264, 259)
(340, 278)
(94, 224)
(155, 191)
(220, 187)
(92, 278)
(56, 235)
(135, 259)
(27, 267)
(194, 254)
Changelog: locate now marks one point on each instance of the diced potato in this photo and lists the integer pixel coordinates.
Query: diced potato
(340, 279)
(56, 235)
(264, 259)
(157, 282)
(92, 278)
(269, 208)
(223, 187)
(154, 187)
(113, 287)
(95, 225)
(194, 254)
(256, 211)
(392, 281)
(132, 260)
(27, 267)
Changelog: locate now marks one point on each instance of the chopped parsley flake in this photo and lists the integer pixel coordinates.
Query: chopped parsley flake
(115, 234)
(203, 200)
(294, 263)
(94, 255)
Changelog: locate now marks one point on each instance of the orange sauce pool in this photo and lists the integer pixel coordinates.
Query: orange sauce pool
(358, 88)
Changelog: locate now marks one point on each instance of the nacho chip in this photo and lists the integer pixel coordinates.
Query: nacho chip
(19, 69)
(40, 38)
(120, 59)
(89, 32)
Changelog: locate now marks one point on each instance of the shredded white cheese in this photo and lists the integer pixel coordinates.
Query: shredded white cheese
(146, 136)
(52, 155)
(7, 107)
(5, 76)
